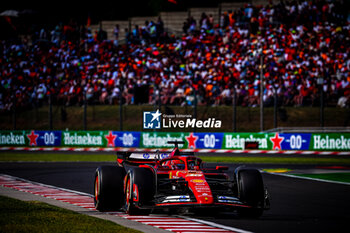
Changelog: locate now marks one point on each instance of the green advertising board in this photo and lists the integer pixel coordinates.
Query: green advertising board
(160, 140)
(14, 138)
(236, 141)
(84, 138)
(330, 142)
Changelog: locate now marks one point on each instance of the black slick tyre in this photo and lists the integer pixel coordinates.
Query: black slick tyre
(139, 191)
(251, 192)
(108, 188)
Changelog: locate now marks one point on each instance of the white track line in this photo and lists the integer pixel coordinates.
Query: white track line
(215, 225)
(172, 223)
(46, 185)
(196, 230)
(161, 220)
(308, 178)
(193, 231)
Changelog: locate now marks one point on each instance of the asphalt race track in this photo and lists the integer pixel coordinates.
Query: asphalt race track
(297, 205)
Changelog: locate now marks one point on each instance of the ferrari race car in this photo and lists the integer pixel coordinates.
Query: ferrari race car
(142, 182)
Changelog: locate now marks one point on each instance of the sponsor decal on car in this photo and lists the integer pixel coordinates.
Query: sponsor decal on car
(226, 199)
(182, 198)
(197, 181)
(202, 189)
(195, 175)
(146, 156)
(205, 195)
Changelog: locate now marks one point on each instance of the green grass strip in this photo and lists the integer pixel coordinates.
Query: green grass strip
(277, 160)
(55, 157)
(22, 216)
(96, 157)
(341, 177)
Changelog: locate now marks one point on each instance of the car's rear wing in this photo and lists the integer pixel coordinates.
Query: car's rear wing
(147, 157)
(141, 156)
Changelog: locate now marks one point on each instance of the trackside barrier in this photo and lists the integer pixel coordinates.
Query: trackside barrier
(167, 150)
(194, 141)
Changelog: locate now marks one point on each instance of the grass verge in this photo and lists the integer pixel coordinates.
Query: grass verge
(55, 157)
(277, 160)
(341, 176)
(91, 157)
(21, 216)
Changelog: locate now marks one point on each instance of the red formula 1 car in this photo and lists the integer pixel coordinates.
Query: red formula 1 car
(141, 182)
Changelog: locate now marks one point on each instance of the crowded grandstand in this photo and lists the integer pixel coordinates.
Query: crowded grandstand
(304, 45)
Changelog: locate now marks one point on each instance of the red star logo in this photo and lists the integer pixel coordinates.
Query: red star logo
(110, 139)
(32, 138)
(191, 141)
(276, 142)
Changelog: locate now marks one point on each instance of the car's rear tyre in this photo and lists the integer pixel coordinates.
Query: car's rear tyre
(251, 192)
(108, 188)
(139, 191)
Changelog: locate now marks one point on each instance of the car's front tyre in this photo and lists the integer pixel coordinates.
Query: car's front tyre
(251, 192)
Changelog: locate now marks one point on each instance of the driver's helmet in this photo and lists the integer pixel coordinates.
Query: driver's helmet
(176, 164)
(192, 165)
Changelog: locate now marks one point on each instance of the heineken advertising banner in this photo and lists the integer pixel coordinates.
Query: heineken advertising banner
(127, 139)
(295, 141)
(229, 141)
(14, 138)
(84, 138)
(191, 140)
(160, 140)
(30, 138)
(237, 141)
(330, 142)
(208, 140)
(100, 139)
(46, 138)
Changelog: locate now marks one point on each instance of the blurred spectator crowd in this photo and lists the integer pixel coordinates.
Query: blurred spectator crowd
(304, 47)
